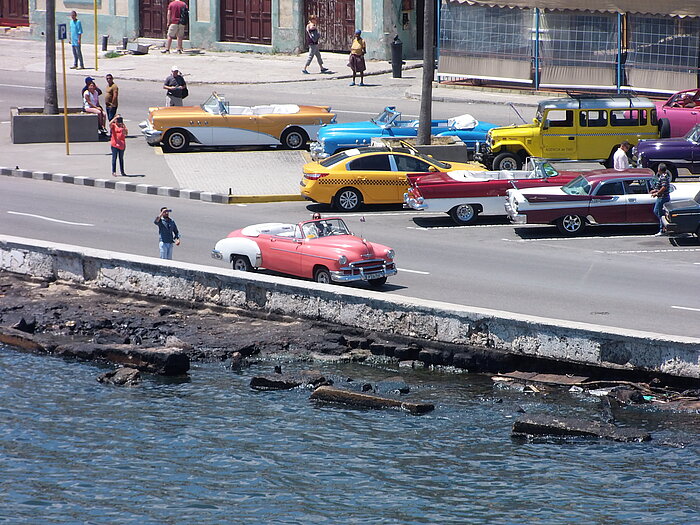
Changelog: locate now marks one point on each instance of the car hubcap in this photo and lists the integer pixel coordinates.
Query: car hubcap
(177, 140)
(348, 200)
(240, 265)
(294, 140)
(465, 213)
(323, 278)
(572, 223)
(508, 164)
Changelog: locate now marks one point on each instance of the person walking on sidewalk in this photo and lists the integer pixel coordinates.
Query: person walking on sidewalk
(76, 37)
(111, 98)
(176, 88)
(176, 29)
(357, 57)
(661, 191)
(168, 233)
(312, 38)
(118, 133)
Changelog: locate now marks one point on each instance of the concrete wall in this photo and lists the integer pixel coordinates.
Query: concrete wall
(374, 311)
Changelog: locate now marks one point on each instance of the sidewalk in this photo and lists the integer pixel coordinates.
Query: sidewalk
(206, 175)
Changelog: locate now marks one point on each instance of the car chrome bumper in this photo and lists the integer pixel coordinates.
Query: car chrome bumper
(153, 136)
(342, 277)
(316, 151)
(670, 227)
(413, 203)
(514, 216)
(216, 254)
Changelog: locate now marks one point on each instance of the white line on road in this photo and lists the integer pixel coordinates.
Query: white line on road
(651, 251)
(413, 271)
(50, 219)
(686, 308)
(24, 86)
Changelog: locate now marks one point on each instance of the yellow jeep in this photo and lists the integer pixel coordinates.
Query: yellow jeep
(578, 127)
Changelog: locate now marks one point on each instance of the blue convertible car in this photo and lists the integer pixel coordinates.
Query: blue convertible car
(337, 137)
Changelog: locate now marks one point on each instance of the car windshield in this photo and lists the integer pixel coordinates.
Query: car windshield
(387, 116)
(578, 186)
(694, 134)
(215, 104)
(540, 169)
(324, 228)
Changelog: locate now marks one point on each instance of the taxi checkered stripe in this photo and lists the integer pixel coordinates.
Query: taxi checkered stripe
(601, 134)
(366, 182)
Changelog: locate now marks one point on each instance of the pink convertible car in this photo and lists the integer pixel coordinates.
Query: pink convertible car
(321, 249)
(679, 113)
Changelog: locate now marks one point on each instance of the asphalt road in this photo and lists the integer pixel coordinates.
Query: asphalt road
(615, 277)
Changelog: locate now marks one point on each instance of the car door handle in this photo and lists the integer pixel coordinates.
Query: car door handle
(632, 199)
(572, 138)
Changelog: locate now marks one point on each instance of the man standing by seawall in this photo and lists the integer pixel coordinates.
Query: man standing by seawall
(76, 38)
(167, 232)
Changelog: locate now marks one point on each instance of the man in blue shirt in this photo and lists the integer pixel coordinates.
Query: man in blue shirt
(76, 36)
(169, 235)
(661, 191)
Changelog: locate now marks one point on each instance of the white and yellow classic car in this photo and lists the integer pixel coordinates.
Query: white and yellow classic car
(218, 123)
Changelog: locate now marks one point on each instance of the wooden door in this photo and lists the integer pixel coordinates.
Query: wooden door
(152, 18)
(14, 13)
(336, 20)
(246, 21)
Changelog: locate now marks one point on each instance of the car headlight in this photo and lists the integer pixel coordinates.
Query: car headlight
(390, 254)
(342, 260)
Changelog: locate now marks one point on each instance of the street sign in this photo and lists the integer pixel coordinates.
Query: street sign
(61, 31)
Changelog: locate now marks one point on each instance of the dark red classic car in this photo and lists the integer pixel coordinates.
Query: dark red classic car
(465, 195)
(594, 198)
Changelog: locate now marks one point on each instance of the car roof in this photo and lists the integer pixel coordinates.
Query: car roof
(622, 175)
(598, 102)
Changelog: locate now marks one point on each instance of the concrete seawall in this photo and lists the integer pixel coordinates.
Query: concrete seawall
(578, 343)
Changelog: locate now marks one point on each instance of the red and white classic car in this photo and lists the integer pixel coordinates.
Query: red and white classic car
(598, 197)
(465, 195)
(320, 249)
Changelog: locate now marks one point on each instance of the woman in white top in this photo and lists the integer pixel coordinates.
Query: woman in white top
(91, 104)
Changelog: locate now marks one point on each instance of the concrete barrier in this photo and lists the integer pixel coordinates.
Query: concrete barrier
(578, 343)
(29, 125)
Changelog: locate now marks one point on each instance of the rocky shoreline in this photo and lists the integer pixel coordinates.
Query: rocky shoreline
(153, 335)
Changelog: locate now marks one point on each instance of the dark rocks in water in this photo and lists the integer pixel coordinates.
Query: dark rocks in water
(367, 387)
(626, 395)
(393, 384)
(381, 349)
(121, 377)
(433, 356)
(346, 397)
(23, 326)
(407, 353)
(544, 425)
(236, 361)
(280, 381)
(163, 361)
(21, 340)
(165, 310)
(278, 369)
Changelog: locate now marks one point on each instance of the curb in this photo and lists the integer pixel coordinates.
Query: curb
(148, 189)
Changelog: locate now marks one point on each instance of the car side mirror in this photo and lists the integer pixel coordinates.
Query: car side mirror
(432, 169)
(545, 125)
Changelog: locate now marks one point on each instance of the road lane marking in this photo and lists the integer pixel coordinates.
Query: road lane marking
(686, 308)
(413, 271)
(665, 250)
(50, 219)
(23, 86)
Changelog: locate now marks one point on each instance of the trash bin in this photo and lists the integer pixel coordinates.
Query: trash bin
(105, 39)
(125, 42)
(396, 57)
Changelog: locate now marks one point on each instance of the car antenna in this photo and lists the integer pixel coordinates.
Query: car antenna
(517, 112)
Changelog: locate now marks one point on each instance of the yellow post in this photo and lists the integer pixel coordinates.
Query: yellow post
(95, 9)
(65, 96)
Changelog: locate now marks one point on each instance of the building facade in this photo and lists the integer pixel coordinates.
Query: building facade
(642, 45)
(266, 26)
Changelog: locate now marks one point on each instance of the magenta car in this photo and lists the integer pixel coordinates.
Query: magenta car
(679, 113)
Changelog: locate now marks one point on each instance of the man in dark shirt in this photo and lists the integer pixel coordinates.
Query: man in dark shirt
(662, 192)
(176, 88)
(168, 233)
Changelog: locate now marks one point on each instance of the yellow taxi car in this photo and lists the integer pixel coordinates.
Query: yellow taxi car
(218, 123)
(354, 177)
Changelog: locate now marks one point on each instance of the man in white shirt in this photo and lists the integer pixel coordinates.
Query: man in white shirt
(620, 160)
